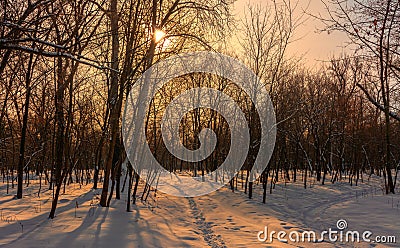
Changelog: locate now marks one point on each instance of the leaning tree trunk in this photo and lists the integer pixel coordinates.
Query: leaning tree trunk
(60, 122)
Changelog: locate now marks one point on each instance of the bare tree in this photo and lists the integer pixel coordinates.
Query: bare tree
(370, 25)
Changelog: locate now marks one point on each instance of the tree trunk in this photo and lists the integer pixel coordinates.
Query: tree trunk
(113, 100)
(60, 122)
(24, 127)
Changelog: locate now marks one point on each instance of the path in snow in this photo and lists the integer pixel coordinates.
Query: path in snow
(220, 219)
(213, 240)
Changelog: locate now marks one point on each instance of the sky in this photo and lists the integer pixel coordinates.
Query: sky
(311, 44)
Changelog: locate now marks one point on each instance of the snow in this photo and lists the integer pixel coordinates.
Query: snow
(220, 219)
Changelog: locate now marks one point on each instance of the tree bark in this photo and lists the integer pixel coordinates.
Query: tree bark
(113, 100)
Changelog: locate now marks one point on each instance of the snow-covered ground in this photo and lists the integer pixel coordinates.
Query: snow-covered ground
(220, 219)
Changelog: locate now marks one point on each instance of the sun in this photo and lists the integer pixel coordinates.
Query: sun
(158, 35)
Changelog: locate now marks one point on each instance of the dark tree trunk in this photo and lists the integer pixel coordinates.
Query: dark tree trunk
(112, 101)
(24, 128)
(60, 122)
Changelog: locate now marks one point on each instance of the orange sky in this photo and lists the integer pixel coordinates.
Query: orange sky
(314, 46)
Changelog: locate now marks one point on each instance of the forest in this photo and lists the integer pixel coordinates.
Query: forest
(67, 67)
